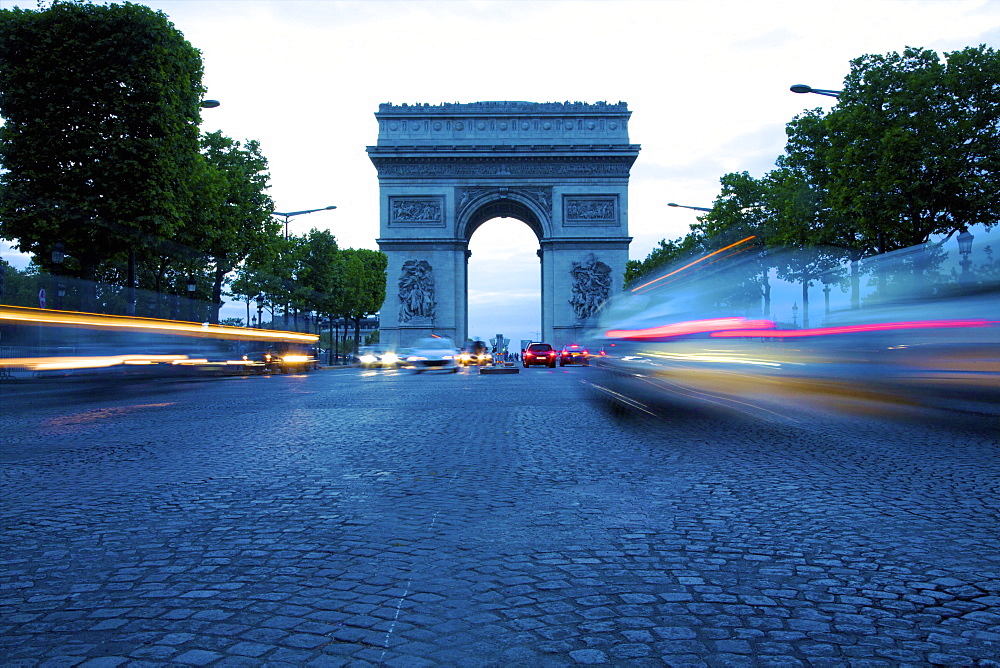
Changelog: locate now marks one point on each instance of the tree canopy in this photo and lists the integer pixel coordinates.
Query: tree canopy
(101, 106)
(911, 150)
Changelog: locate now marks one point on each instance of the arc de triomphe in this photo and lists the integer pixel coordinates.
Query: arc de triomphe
(560, 168)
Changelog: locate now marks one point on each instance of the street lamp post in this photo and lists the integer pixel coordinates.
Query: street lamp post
(288, 216)
(965, 249)
(682, 206)
(58, 256)
(191, 286)
(802, 88)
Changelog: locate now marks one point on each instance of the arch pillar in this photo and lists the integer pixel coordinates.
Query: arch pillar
(448, 262)
(569, 264)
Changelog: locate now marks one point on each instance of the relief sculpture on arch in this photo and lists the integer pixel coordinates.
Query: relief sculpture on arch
(416, 291)
(591, 286)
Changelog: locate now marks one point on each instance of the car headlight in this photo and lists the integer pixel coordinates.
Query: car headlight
(390, 358)
(415, 358)
(368, 359)
(294, 358)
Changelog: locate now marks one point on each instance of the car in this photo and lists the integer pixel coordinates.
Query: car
(698, 344)
(539, 353)
(574, 353)
(377, 356)
(475, 353)
(435, 352)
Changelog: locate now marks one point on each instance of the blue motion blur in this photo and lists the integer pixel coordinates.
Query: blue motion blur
(762, 332)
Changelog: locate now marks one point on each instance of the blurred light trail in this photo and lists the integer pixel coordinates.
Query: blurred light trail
(691, 264)
(854, 329)
(73, 319)
(692, 327)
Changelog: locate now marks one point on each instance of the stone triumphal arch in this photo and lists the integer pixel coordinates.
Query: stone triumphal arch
(560, 168)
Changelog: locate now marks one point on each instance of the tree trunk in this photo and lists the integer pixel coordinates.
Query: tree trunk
(88, 286)
(767, 294)
(130, 280)
(213, 312)
(357, 335)
(855, 281)
(805, 302)
(329, 353)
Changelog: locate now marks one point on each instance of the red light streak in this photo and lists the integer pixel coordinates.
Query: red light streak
(691, 327)
(855, 329)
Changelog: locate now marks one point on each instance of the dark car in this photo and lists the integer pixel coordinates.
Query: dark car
(539, 353)
(574, 354)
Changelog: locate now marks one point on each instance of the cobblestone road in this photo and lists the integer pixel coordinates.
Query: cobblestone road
(349, 518)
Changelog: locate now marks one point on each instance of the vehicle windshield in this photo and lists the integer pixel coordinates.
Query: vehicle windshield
(539, 347)
(434, 344)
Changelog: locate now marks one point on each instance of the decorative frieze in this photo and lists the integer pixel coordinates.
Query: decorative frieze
(590, 210)
(486, 168)
(416, 211)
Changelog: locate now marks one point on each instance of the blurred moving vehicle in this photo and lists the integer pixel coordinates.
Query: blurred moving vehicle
(539, 353)
(476, 353)
(370, 357)
(433, 353)
(736, 332)
(282, 359)
(93, 345)
(574, 354)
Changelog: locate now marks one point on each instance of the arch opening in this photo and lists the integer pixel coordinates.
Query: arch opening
(503, 208)
(504, 289)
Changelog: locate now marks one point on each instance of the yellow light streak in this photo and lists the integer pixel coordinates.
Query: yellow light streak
(694, 262)
(45, 317)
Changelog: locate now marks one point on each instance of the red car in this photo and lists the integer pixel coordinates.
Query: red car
(539, 353)
(574, 354)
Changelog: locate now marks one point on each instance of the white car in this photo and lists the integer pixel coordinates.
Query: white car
(433, 353)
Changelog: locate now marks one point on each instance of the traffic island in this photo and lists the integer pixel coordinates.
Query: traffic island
(498, 369)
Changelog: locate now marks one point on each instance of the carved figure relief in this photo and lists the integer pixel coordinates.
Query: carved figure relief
(591, 286)
(592, 210)
(416, 291)
(542, 196)
(416, 211)
(465, 196)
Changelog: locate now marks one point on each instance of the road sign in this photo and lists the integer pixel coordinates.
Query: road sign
(41, 298)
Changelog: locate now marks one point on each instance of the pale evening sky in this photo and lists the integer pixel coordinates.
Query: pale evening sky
(706, 81)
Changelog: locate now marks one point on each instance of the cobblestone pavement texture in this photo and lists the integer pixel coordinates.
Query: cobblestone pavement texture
(383, 518)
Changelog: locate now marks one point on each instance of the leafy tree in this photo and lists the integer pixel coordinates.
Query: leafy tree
(17, 287)
(101, 106)
(743, 211)
(240, 219)
(666, 252)
(914, 145)
(319, 273)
